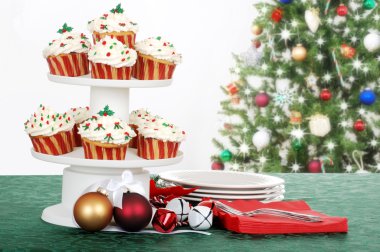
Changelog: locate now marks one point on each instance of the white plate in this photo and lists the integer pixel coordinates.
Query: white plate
(279, 198)
(240, 192)
(222, 196)
(222, 179)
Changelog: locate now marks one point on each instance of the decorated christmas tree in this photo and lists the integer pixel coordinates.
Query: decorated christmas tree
(304, 98)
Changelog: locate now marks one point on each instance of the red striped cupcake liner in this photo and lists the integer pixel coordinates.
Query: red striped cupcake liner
(73, 64)
(103, 71)
(100, 151)
(150, 148)
(148, 68)
(127, 38)
(133, 142)
(57, 144)
(77, 138)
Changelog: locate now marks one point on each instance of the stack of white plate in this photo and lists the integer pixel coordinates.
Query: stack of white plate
(227, 185)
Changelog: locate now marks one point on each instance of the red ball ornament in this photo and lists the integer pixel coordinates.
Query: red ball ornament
(277, 15)
(314, 166)
(256, 43)
(135, 214)
(218, 166)
(325, 94)
(359, 125)
(164, 220)
(342, 10)
(262, 99)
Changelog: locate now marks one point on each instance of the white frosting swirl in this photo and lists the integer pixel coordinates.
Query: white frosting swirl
(112, 52)
(45, 122)
(112, 22)
(162, 130)
(69, 42)
(80, 114)
(159, 49)
(106, 129)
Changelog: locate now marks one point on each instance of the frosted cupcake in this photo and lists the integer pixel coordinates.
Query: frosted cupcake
(159, 140)
(79, 115)
(136, 118)
(110, 59)
(67, 55)
(116, 24)
(51, 133)
(156, 59)
(105, 136)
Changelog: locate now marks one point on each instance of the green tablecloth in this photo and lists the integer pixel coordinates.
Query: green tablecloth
(22, 199)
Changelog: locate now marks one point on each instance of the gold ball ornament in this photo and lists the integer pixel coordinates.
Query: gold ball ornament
(93, 211)
(299, 53)
(256, 30)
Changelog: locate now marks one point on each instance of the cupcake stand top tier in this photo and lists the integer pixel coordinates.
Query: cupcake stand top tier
(82, 172)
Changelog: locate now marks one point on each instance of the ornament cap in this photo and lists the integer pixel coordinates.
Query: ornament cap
(102, 191)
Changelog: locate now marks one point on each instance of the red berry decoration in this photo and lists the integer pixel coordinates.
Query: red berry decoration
(342, 10)
(218, 166)
(262, 99)
(325, 95)
(277, 15)
(135, 214)
(314, 166)
(359, 125)
(164, 220)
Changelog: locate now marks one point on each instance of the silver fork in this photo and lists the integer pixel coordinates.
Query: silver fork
(270, 211)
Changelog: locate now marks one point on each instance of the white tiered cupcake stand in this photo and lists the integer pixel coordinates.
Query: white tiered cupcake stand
(82, 172)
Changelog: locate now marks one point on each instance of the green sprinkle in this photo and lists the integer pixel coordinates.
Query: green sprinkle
(158, 38)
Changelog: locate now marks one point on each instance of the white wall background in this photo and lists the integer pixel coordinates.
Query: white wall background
(206, 32)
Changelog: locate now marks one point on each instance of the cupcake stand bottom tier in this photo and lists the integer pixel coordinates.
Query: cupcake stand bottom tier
(83, 173)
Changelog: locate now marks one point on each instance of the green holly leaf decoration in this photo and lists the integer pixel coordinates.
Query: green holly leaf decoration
(108, 137)
(118, 9)
(106, 111)
(84, 46)
(65, 28)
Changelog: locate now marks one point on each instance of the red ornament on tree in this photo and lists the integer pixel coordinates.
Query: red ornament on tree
(232, 88)
(347, 52)
(314, 166)
(164, 220)
(218, 166)
(262, 99)
(135, 213)
(277, 15)
(325, 94)
(342, 10)
(256, 43)
(359, 125)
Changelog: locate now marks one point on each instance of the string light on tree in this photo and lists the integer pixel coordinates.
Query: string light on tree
(348, 168)
(319, 57)
(373, 143)
(320, 41)
(297, 133)
(301, 100)
(327, 77)
(357, 64)
(343, 106)
(330, 146)
(277, 119)
(295, 167)
(244, 148)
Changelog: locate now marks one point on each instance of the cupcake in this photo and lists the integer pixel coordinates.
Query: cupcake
(159, 140)
(105, 136)
(67, 55)
(156, 59)
(79, 116)
(51, 133)
(116, 24)
(136, 118)
(110, 59)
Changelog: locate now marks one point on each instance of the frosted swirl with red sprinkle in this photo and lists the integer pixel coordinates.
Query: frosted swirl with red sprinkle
(159, 49)
(162, 130)
(112, 22)
(112, 52)
(69, 42)
(80, 114)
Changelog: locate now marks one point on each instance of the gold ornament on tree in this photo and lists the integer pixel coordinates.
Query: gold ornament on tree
(295, 118)
(312, 19)
(299, 53)
(319, 125)
(93, 211)
(256, 30)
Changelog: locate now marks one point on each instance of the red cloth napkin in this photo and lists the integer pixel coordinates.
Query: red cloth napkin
(266, 224)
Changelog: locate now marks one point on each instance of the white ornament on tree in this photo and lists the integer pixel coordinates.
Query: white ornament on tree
(319, 125)
(261, 139)
(312, 19)
(372, 41)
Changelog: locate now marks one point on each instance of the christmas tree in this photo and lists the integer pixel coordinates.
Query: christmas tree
(304, 99)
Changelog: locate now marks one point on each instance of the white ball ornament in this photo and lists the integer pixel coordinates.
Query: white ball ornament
(261, 139)
(372, 42)
(180, 207)
(319, 125)
(200, 218)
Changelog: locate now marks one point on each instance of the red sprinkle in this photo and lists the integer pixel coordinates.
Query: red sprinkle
(109, 134)
(47, 122)
(138, 115)
(100, 125)
(60, 125)
(108, 54)
(126, 52)
(88, 124)
(123, 59)
(104, 43)
(117, 123)
(42, 119)
(126, 133)
(183, 132)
